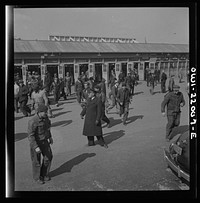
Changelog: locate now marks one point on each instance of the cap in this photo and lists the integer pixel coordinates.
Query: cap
(42, 108)
(176, 87)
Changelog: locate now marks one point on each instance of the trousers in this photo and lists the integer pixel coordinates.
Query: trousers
(24, 108)
(173, 121)
(124, 109)
(40, 168)
(99, 138)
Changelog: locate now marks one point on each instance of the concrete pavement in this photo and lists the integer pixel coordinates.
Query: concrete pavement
(134, 160)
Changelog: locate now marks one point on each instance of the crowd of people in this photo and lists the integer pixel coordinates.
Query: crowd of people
(96, 103)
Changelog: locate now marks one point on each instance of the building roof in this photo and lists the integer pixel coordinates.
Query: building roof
(47, 46)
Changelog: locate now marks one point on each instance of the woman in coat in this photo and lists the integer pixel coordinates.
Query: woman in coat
(92, 124)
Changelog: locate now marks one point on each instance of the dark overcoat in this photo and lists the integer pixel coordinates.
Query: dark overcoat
(92, 112)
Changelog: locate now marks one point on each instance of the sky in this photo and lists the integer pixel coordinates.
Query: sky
(157, 25)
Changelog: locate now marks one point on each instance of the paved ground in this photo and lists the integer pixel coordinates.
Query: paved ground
(134, 160)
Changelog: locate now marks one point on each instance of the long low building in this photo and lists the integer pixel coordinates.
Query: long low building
(97, 58)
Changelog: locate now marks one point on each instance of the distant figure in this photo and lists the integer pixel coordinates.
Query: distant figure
(47, 82)
(16, 96)
(171, 83)
(62, 88)
(79, 87)
(68, 83)
(163, 81)
(56, 89)
(23, 98)
(180, 75)
(152, 82)
(112, 79)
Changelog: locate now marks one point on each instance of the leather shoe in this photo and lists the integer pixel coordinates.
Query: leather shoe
(47, 178)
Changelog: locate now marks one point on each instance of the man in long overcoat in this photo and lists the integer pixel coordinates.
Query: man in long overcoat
(92, 124)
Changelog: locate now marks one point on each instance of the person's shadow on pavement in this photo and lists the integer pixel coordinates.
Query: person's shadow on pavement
(112, 136)
(67, 166)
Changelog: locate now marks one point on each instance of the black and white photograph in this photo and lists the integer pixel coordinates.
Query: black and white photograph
(103, 100)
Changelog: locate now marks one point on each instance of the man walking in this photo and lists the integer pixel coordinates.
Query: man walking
(40, 138)
(39, 97)
(56, 89)
(79, 89)
(171, 83)
(92, 124)
(173, 100)
(23, 99)
(123, 97)
(163, 81)
(113, 97)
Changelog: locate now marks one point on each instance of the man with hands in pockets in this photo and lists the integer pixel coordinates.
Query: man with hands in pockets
(40, 138)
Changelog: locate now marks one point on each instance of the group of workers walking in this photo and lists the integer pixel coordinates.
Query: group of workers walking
(95, 105)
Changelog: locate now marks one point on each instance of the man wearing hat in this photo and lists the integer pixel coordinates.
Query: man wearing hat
(40, 138)
(92, 124)
(173, 100)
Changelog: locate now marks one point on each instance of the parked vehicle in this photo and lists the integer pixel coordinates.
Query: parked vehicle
(178, 156)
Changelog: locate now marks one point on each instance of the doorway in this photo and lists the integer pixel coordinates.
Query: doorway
(124, 69)
(34, 68)
(146, 67)
(52, 69)
(83, 68)
(111, 66)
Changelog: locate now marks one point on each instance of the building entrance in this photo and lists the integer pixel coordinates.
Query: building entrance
(124, 69)
(111, 67)
(52, 69)
(83, 68)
